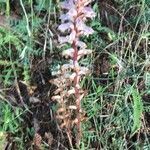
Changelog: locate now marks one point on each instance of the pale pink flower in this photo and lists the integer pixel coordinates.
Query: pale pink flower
(67, 4)
(65, 67)
(85, 30)
(66, 17)
(70, 92)
(72, 76)
(80, 97)
(83, 52)
(81, 44)
(68, 52)
(67, 39)
(69, 16)
(73, 107)
(84, 71)
(76, 66)
(58, 90)
(62, 39)
(88, 12)
(78, 86)
(72, 37)
(84, 3)
(72, 12)
(66, 26)
(56, 97)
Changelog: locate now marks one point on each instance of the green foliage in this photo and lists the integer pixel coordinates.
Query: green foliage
(26, 73)
(137, 110)
(8, 55)
(43, 4)
(10, 120)
(114, 110)
(7, 7)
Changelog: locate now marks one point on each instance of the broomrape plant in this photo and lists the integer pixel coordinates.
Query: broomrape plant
(69, 92)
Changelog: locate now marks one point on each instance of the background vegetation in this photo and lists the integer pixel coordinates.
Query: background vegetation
(117, 106)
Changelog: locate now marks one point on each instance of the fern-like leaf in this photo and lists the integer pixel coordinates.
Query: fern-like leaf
(137, 110)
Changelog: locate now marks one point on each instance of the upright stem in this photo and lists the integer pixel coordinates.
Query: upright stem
(74, 21)
(77, 93)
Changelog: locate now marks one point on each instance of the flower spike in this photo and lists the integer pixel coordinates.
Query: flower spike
(69, 93)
